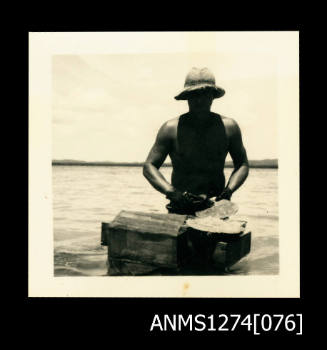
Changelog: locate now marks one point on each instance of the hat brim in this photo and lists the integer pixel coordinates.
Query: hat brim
(217, 91)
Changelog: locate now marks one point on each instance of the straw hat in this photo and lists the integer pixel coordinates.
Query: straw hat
(197, 79)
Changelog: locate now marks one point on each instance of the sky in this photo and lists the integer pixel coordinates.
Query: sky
(109, 107)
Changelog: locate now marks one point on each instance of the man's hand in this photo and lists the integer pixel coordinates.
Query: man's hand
(189, 201)
(225, 194)
(175, 196)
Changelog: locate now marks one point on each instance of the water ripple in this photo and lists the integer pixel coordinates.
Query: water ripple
(86, 196)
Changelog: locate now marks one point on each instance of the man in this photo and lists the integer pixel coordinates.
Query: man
(197, 143)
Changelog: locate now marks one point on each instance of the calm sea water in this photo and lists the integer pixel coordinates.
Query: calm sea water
(85, 196)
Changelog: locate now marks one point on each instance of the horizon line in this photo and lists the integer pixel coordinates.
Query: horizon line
(263, 163)
(136, 161)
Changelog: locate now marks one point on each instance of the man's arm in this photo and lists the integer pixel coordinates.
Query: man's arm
(239, 157)
(155, 159)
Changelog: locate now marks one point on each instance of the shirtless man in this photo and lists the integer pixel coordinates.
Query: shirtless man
(197, 143)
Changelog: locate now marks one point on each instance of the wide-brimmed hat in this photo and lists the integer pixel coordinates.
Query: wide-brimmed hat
(198, 79)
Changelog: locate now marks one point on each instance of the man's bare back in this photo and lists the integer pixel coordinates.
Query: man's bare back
(198, 152)
(197, 143)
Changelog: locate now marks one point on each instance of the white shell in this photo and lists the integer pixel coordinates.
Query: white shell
(222, 209)
(217, 225)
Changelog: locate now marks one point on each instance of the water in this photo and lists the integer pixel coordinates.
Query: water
(85, 196)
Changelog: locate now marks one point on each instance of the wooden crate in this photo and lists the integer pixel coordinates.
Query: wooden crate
(142, 243)
(139, 243)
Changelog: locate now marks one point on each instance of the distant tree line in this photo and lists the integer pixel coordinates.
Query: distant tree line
(265, 163)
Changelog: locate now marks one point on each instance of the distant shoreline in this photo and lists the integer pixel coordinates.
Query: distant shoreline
(265, 163)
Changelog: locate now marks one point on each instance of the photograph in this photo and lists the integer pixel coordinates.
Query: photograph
(166, 159)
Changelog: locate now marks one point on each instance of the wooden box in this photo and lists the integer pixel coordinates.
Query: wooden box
(142, 243)
(139, 243)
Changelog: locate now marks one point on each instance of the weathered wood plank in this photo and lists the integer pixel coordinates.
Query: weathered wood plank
(133, 245)
(166, 224)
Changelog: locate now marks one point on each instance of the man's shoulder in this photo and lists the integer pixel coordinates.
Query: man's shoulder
(170, 125)
(169, 128)
(230, 124)
(228, 121)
